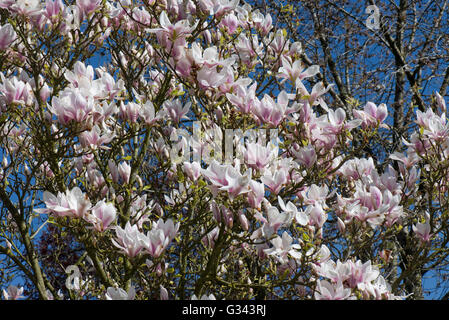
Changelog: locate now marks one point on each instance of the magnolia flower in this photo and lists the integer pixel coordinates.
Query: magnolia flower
(270, 112)
(72, 105)
(306, 156)
(175, 110)
(81, 76)
(283, 247)
(244, 98)
(88, 6)
(361, 274)
(371, 114)
(7, 36)
(107, 86)
(275, 181)
(148, 114)
(295, 70)
(208, 58)
(317, 216)
(226, 178)
(230, 23)
(291, 210)
(160, 236)
(13, 90)
(130, 240)
(103, 214)
(130, 111)
(163, 293)
(258, 156)
(256, 194)
(204, 297)
(26, 7)
(94, 139)
(329, 291)
(120, 294)
(274, 220)
(53, 9)
(73, 203)
(13, 293)
(192, 170)
(210, 77)
(172, 36)
(423, 231)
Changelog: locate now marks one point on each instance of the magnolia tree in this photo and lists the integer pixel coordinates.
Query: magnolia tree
(177, 149)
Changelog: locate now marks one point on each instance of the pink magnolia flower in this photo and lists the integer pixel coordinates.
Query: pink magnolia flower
(13, 293)
(81, 76)
(306, 156)
(130, 111)
(14, 90)
(291, 210)
(230, 23)
(315, 194)
(108, 87)
(88, 6)
(336, 121)
(72, 105)
(274, 220)
(440, 103)
(53, 8)
(103, 214)
(160, 236)
(175, 110)
(275, 181)
(357, 168)
(283, 248)
(124, 171)
(7, 36)
(335, 271)
(435, 127)
(163, 293)
(192, 169)
(423, 231)
(30, 8)
(226, 178)
(244, 98)
(256, 194)
(328, 291)
(72, 203)
(371, 115)
(270, 112)
(295, 70)
(94, 139)
(361, 274)
(172, 36)
(120, 173)
(120, 294)
(263, 23)
(317, 216)
(318, 90)
(248, 49)
(130, 240)
(210, 77)
(258, 157)
(209, 57)
(148, 114)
